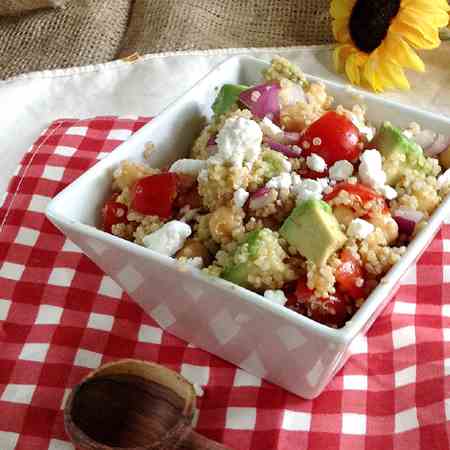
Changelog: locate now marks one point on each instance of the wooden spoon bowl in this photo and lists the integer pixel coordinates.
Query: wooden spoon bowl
(133, 405)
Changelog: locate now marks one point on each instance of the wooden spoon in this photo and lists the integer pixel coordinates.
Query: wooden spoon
(134, 405)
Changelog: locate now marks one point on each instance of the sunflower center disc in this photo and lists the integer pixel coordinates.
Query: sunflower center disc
(370, 21)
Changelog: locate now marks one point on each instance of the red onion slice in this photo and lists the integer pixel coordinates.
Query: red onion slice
(291, 137)
(425, 138)
(260, 198)
(282, 148)
(407, 219)
(262, 100)
(212, 140)
(440, 144)
(211, 145)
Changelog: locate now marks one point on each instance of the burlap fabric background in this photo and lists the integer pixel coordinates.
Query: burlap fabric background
(9, 7)
(95, 31)
(83, 32)
(164, 25)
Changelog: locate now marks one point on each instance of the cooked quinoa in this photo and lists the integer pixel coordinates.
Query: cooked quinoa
(241, 205)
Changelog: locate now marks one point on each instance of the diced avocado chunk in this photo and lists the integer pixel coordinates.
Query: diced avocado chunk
(237, 274)
(227, 97)
(398, 152)
(275, 163)
(248, 250)
(254, 241)
(313, 230)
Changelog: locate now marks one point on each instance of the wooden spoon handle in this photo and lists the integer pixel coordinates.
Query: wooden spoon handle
(195, 441)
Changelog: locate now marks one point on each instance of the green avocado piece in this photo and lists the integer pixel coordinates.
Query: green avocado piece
(398, 151)
(227, 97)
(275, 163)
(253, 239)
(238, 273)
(313, 230)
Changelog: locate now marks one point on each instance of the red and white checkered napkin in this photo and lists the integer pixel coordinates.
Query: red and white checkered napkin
(61, 317)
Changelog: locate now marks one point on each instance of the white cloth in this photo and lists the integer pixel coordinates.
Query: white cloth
(29, 103)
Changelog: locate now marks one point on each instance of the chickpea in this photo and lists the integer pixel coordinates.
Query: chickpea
(387, 225)
(444, 159)
(221, 224)
(344, 214)
(193, 248)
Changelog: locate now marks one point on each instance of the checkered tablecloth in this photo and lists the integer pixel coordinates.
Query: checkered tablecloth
(61, 317)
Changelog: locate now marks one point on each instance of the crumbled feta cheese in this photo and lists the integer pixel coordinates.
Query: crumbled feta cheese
(360, 228)
(277, 297)
(270, 129)
(371, 170)
(368, 132)
(282, 181)
(188, 166)
(168, 239)
(316, 163)
(388, 192)
(240, 197)
(196, 262)
(286, 165)
(296, 180)
(238, 141)
(341, 170)
(308, 189)
(323, 182)
(444, 179)
(296, 149)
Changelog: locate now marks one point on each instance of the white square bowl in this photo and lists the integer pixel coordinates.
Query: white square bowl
(242, 327)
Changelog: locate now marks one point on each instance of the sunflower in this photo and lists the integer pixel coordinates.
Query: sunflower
(377, 38)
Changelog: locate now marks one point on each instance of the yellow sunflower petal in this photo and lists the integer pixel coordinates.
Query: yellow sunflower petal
(352, 69)
(417, 37)
(394, 48)
(426, 4)
(340, 55)
(370, 75)
(414, 20)
(436, 17)
(354, 65)
(395, 74)
(341, 9)
(341, 31)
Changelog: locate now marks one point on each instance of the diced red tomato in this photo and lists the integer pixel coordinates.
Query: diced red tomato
(187, 192)
(349, 275)
(155, 195)
(333, 137)
(330, 311)
(308, 173)
(293, 302)
(302, 292)
(113, 213)
(185, 182)
(190, 198)
(365, 193)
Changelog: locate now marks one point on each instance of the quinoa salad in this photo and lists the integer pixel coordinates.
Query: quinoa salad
(287, 194)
